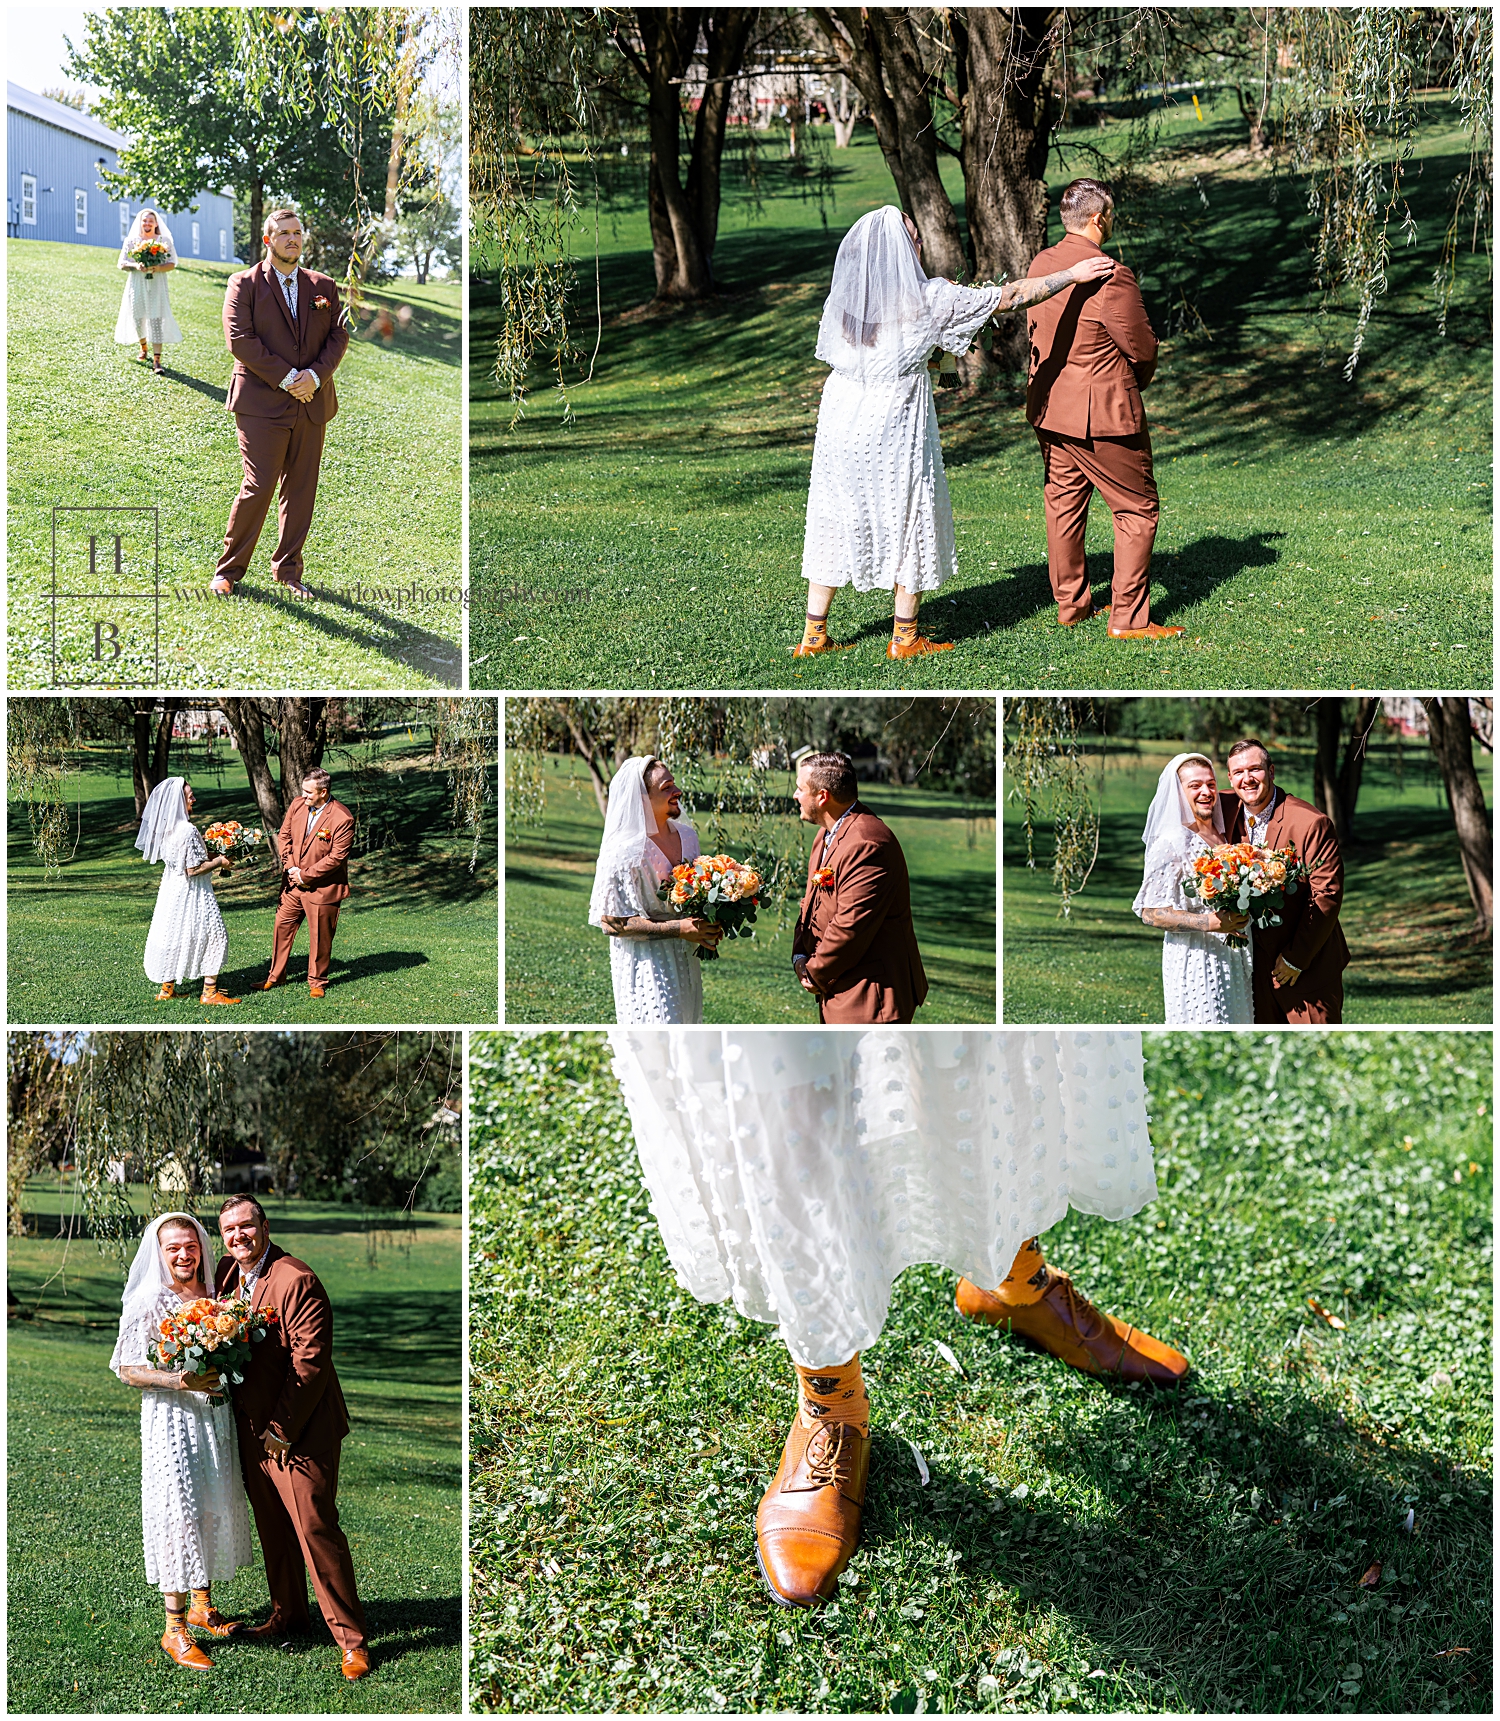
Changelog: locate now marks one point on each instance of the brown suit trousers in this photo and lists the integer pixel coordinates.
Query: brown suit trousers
(322, 856)
(1092, 352)
(281, 439)
(290, 1388)
(1309, 937)
(857, 933)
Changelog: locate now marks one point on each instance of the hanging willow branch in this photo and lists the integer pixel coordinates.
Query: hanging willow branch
(360, 67)
(1047, 771)
(39, 734)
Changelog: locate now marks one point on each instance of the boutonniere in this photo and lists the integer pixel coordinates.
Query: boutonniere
(824, 877)
(321, 302)
(326, 836)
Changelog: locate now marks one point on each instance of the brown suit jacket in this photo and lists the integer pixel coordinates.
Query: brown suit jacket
(323, 856)
(1309, 936)
(266, 343)
(1092, 349)
(290, 1386)
(857, 934)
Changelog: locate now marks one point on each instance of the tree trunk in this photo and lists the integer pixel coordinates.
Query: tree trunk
(589, 751)
(845, 115)
(1352, 771)
(150, 755)
(668, 36)
(1449, 733)
(1008, 116)
(303, 732)
(257, 219)
(247, 720)
(880, 52)
(727, 31)
(1329, 719)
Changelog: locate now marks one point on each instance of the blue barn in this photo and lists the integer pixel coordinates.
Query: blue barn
(54, 159)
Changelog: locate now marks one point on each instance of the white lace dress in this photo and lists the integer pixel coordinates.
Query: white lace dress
(1203, 981)
(146, 311)
(194, 1519)
(655, 979)
(187, 937)
(878, 511)
(797, 1173)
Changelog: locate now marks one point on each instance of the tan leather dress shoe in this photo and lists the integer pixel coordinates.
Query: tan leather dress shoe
(921, 646)
(356, 1663)
(1098, 609)
(1065, 1323)
(184, 1651)
(317, 989)
(211, 1620)
(277, 1627)
(1152, 630)
(807, 1524)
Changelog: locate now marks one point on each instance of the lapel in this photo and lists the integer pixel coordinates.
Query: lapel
(310, 831)
(304, 305)
(1273, 824)
(272, 1257)
(273, 284)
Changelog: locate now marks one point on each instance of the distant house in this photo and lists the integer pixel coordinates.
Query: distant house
(55, 158)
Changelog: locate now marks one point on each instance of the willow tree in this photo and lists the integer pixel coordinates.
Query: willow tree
(156, 1117)
(278, 739)
(1054, 757)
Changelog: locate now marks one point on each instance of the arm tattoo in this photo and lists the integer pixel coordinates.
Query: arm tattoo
(1019, 294)
(1173, 919)
(640, 926)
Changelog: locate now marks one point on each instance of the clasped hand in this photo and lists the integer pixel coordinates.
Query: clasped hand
(302, 386)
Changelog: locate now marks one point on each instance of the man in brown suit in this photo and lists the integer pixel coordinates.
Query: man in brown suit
(1092, 352)
(854, 947)
(286, 329)
(313, 846)
(1298, 971)
(292, 1421)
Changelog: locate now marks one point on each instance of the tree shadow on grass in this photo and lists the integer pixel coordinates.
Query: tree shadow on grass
(1314, 1504)
(246, 980)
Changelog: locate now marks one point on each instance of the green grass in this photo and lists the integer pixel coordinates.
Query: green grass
(416, 939)
(557, 965)
(1406, 912)
(85, 1629)
(1315, 533)
(1080, 1545)
(90, 427)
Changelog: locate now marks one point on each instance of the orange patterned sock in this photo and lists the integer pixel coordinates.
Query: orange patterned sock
(904, 632)
(833, 1395)
(1027, 1278)
(815, 633)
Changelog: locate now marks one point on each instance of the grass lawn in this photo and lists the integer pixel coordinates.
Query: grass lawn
(1080, 1545)
(91, 427)
(1315, 533)
(416, 939)
(557, 965)
(84, 1627)
(1406, 912)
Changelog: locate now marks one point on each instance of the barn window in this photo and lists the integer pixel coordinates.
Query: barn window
(80, 211)
(124, 221)
(28, 199)
(195, 238)
(223, 246)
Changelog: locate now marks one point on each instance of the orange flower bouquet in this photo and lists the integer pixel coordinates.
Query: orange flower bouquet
(216, 1333)
(717, 888)
(150, 254)
(1243, 878)
(230, 836)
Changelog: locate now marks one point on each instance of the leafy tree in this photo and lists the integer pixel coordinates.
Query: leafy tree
(364, 1117)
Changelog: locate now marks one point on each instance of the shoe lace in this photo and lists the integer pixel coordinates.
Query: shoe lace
(830, 1455)
(1086, 1317)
